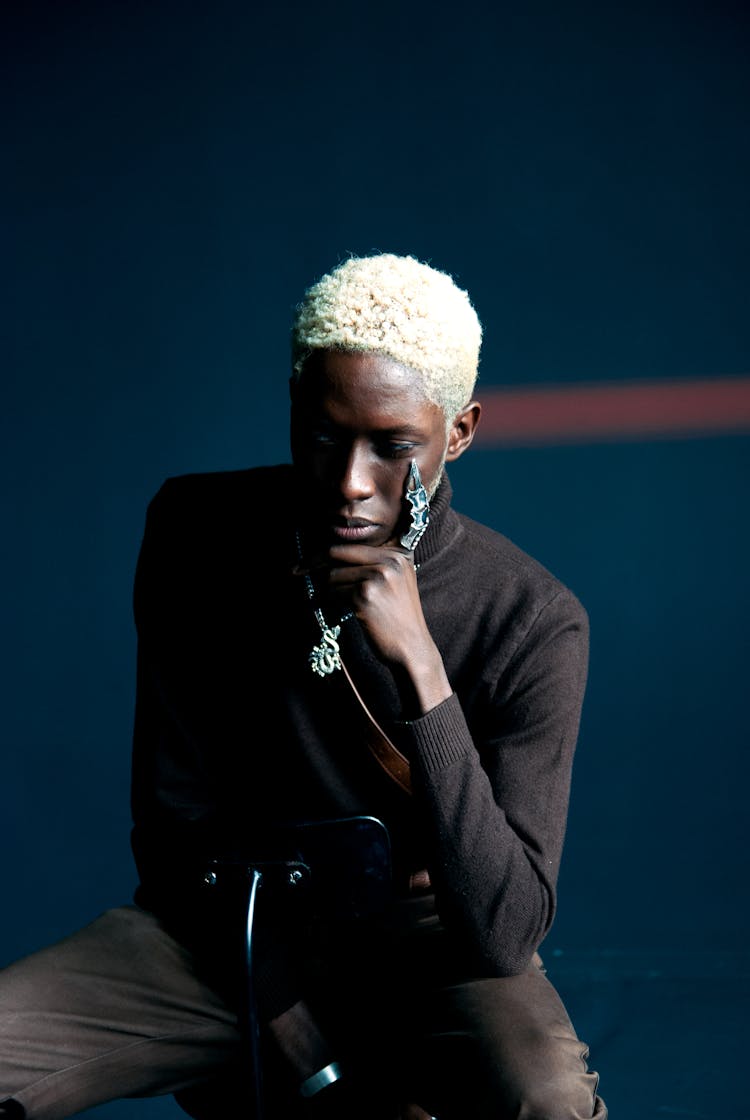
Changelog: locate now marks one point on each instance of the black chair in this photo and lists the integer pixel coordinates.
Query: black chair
(340, 867)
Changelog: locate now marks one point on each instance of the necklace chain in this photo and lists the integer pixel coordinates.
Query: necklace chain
(325, 658)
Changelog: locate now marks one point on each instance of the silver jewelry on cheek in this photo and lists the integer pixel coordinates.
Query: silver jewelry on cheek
(325, 658)
(416, 496)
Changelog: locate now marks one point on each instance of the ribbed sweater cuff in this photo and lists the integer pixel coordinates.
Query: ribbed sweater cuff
(440, 738)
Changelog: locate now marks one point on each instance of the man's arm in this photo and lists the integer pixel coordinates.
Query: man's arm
(494, 797)
(496, 802)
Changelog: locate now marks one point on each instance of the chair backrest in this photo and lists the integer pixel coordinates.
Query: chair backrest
(340, 866)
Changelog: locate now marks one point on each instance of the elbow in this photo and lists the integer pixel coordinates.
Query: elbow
(508, 957)
(508, 944)
(511, 963)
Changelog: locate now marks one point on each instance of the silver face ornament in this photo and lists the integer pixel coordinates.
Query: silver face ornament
(419, 511)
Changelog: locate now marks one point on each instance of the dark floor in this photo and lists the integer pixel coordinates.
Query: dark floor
(669, 1035)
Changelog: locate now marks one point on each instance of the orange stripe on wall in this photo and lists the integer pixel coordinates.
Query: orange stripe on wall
(588, 412)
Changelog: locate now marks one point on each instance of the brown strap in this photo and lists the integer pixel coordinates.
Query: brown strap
(385, 751)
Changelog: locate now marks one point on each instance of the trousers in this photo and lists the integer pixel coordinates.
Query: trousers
(120, 1009)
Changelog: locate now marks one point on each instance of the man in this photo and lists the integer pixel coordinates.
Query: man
(331, 642)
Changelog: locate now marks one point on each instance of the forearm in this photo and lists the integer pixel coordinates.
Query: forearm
(307, 1053)
(422, 680)
(488, 889)
(300, 1041)
(494, 828)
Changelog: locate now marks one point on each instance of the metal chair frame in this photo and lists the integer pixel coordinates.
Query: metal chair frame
(350, 880)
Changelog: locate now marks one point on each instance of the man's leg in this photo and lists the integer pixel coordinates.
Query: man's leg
(507, 1047)
(115, 1010)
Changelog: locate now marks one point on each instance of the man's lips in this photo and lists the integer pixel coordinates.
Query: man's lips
(354, 529)
(335, 529)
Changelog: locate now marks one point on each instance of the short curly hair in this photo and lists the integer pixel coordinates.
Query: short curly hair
(399, 307)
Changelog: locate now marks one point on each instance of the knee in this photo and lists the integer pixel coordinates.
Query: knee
(558, 1100)
(535, 1078)
(566, 1091)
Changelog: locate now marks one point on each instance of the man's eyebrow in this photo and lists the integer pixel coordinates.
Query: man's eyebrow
(394, 431)
(400, 430)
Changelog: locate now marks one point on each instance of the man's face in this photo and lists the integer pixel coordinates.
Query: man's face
(358, 420)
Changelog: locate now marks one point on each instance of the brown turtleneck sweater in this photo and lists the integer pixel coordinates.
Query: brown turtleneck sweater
(234, 733)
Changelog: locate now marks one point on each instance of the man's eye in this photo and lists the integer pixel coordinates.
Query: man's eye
(394, 450)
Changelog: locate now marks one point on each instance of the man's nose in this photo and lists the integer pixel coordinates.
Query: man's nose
(357, 480)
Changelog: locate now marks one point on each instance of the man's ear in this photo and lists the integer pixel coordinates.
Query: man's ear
(462, 430)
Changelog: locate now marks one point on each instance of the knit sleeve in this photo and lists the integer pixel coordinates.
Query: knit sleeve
(495, 802)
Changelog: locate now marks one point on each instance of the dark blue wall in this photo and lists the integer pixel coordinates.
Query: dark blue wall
(175, 174)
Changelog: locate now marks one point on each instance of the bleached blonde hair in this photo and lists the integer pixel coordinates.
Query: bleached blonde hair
(399, 307)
